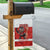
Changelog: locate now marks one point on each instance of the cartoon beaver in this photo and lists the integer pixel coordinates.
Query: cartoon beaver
(22, 31)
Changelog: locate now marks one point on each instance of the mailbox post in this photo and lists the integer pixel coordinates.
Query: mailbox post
(15, 11)
(10, 26)
(10, 18)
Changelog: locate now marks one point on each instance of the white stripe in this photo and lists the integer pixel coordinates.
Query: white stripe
(24, 40)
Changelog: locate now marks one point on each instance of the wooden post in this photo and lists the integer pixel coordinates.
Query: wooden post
(10, 26)
(10, 18)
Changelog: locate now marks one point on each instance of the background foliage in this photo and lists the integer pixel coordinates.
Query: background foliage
(45, 4)
(5, 1)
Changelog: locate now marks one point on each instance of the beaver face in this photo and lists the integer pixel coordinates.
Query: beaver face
(21, 29)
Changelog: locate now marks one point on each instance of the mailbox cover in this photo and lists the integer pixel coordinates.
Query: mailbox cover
(21, 8)
(23, 32)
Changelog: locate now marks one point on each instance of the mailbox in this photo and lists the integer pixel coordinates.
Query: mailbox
(20, 8)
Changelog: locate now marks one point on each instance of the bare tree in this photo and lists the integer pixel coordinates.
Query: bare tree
(41, 2)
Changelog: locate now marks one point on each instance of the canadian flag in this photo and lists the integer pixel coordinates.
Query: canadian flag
(23, 32)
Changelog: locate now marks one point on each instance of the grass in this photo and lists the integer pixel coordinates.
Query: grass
(24, 49)
(4, 1)
(20, 0)
(45, 4)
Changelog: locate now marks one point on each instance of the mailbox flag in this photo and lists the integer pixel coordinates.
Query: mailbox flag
(23, 33)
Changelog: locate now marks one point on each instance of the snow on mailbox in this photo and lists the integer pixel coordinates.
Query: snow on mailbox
(21, 8)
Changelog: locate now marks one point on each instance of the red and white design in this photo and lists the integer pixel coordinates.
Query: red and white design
(23, 32)
(23, 35)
